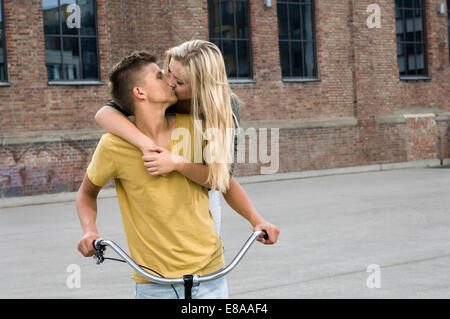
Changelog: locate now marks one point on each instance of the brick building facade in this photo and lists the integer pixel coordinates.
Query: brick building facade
(360, 107)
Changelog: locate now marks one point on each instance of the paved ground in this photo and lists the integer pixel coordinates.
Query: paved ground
(332, 229)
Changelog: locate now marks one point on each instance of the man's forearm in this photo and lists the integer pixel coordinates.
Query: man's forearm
(239, 201)
(198, 173)
(86, 203)
(87, 213)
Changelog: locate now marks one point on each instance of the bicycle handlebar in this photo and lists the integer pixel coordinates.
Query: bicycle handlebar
(100, 243)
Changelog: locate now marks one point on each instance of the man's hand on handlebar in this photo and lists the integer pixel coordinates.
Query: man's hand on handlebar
(272, 232)
(85, 246)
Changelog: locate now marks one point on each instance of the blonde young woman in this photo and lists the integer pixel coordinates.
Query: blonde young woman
(196, 71)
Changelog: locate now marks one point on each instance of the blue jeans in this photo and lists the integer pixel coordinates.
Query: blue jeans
(215, 209)
(214, 289)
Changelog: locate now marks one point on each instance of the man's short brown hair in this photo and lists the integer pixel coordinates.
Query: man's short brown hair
(124, 77)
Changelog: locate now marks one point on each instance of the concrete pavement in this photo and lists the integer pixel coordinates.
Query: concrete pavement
(340, 235)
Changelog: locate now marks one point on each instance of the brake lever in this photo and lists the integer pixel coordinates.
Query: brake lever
(99, 253)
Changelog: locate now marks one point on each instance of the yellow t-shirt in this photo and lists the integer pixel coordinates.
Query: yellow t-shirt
(167, 221)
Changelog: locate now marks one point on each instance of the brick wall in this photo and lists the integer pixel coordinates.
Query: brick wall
(421, 136)
(352, 116)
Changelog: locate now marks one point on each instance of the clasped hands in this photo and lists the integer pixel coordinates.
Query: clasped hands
(160, 161)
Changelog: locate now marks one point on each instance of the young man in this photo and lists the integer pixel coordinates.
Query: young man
(166, 218)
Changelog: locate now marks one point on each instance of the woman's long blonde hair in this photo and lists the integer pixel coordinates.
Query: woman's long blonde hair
(204, 70)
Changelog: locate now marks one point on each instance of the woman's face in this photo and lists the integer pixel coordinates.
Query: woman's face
(175, 79)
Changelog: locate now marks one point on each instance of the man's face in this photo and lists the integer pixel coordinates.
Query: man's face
(156, 87)
(176, 80)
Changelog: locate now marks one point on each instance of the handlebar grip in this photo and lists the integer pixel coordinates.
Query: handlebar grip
(265, 235)
(97, 243)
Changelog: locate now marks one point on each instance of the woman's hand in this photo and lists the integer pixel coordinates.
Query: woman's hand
(160, 161)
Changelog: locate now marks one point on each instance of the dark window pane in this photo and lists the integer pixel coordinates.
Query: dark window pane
(89, 54)
(51, 16)
(408, 13)
(420, 63)
(419, 48)
(400, 49)
(417, 12)
(410, 30)
(2, 49)
(71, 58)
(297, 59)
(229, 56)
(294, 22)
(418, 28)
(214, 19)
(243, 59)
(53, 58)
(284, 59)
(241, 20)
(68, 17)
(410, 53)
(2, 72)
(227, 8)
(408, 3)
(399, 28)
(308, 52)
(87, 17)
(418, 4)
(1, 25)
(307, 16)
(283, 32)
(418, 36)
(410, 36)
(402, 64)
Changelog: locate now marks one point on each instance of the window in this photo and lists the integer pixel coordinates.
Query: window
(3, 63)
(71, 49)
(448, 18)
(296, 36)
(411, 39)
(229, 29)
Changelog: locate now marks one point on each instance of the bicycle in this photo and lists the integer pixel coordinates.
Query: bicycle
(189, 281)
